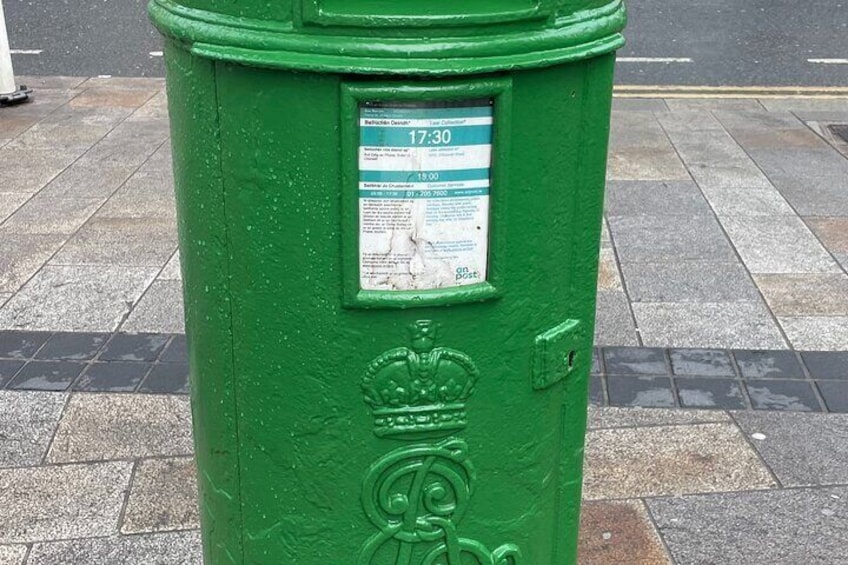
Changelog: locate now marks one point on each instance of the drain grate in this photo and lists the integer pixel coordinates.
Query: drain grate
(840, 131)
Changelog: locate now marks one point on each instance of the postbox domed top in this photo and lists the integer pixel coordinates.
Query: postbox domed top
(439, 37)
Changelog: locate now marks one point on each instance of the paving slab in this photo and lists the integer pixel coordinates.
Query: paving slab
(27, 423)
(778, 394)
(177, 351)
(618, 532)
(768, 364)
(130, 143)
(155, 108)
(55, 376)
(125, 83)
(66, 346)
(143, 195)
(712, 157)
(635, 361)
(693, 104)
(609, 277)
(21, 344)
(99, 426)
(172, 270)
(10, 202)
(612, 417)
(726, 325)
(12, 554)
(61, 501)
(669, 238)
(606, 240)
(747, 202)
(167, 378)
(801, 449)
(835, 395)
(689, 281)
(639, 105)
(812, 180)
(70, 129)
(640, 150)
(833, 233)
(28, 170)
(50, 215)
(163, 497)
(51, 82)
(827, 365)
(134, 347)
(668, 460)
(828, 333)
(654, 392)
(145, 242)
(802, 105)
(21, 256)
(778, 244)
(613, 321)
(111, 97)
(769, 130)
(709, 392)
(93, 298)
(46, 102)
(778, 527)
(174, 548)
(700, 120)
(88, 180)
(701, 362)
(805, 295)
(13, 126)
(115, 376)
(159, 310)
(654, 198)
(160, 162)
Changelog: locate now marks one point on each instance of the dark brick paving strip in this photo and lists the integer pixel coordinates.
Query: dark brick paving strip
(151, 363)
(811, 381)
(808, 381)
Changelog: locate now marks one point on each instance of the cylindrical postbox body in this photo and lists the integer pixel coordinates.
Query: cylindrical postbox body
(389, 216)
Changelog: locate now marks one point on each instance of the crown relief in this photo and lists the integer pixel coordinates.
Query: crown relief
(421, 390)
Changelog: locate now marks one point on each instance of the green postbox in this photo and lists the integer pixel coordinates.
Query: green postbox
(389, 216)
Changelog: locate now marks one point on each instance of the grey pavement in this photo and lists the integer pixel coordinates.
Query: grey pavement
(725, 224)
(101, 479)
(726, 228)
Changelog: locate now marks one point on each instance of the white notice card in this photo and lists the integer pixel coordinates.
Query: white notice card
(424, 176)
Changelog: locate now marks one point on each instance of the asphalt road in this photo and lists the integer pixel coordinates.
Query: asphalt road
(670, 42)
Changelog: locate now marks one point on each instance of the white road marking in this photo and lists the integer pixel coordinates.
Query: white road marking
(828, 61)
(26, 51)
(156, 53)
(654, 60)
(730, 92)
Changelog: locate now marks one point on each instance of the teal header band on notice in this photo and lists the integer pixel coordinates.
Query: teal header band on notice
(425, 137)
(424, 176)
(407, 194)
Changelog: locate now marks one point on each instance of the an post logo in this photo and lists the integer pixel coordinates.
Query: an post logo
(464, 274)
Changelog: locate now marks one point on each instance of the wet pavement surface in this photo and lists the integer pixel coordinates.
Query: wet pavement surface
(719, 388)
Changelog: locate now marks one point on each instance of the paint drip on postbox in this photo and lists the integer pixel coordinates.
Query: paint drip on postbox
(424, 180)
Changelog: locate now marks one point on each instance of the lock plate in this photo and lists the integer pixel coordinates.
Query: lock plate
(555, 354)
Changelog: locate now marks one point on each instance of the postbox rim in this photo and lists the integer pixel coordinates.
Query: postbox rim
(282, 45)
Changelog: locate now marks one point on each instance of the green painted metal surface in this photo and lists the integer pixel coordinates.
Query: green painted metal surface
(336, 424)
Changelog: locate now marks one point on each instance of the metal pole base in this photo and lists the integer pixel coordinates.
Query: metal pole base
(21, 95)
